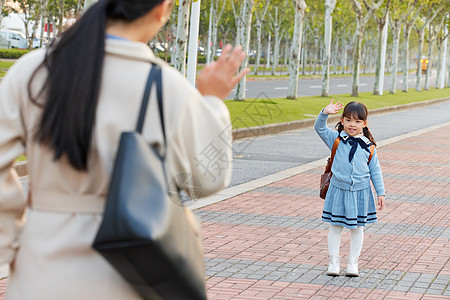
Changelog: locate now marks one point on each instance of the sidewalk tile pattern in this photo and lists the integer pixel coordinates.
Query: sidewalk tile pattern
(270, 243)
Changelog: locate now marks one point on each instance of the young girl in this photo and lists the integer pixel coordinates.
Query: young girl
(349, 201)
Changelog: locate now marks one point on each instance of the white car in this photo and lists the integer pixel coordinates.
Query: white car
(13, 39)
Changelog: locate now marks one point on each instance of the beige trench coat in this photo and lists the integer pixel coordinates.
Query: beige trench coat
(50, 249)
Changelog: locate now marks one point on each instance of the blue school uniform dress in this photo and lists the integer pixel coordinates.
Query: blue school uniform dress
(350, 201)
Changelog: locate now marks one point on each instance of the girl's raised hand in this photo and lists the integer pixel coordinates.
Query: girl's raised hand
(333, 108)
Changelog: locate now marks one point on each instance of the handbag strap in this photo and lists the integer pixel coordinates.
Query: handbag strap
(372, 151)
(153, 77)
(333, 153)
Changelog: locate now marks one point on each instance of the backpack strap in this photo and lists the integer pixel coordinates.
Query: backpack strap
(333, 153)
(372, 151)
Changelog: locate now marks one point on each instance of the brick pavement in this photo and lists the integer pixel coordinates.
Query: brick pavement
(270, 243)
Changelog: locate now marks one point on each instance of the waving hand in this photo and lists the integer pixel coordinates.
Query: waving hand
(333, 108)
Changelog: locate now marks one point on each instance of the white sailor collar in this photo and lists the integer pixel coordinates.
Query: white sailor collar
(345, 136)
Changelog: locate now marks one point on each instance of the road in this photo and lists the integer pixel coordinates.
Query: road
(258, 157)
(313, 87)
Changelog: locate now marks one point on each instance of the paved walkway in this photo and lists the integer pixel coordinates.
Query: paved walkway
(269, 242)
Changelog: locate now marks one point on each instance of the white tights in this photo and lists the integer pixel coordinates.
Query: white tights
(356, 240)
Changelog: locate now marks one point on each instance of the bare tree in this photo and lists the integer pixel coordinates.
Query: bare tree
(43, 17)
(275, 25)
(329, 7)
(395, 21)
(243, 38)
(2, 2)
(179, 58)
(216, 15)
(381, 55)
(361, 22)
(259, 17)
(408, 22)
(433, 30)
(431, 14)
(300, 8)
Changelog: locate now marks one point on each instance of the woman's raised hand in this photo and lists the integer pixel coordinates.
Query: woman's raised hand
(333, 108)
(219, 77)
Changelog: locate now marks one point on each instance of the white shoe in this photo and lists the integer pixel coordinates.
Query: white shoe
(334, 266)
(352, 267)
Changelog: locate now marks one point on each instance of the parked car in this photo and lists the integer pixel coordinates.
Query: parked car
(157, 47)
(37, 43)
(13, 39)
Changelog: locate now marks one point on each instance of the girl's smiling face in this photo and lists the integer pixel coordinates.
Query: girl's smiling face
(353, 126)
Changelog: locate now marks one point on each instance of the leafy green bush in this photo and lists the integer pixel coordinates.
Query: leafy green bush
(12, 53)
(201, 59)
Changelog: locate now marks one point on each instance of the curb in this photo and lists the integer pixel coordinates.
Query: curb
(253, 132)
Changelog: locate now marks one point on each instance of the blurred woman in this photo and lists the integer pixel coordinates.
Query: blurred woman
(65, 109)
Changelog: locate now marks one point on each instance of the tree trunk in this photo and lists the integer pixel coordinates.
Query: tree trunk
(2, 2)
(61, 16)
(443, 59)
(208, 48)
(316, 50)
(182, 36)
(276, 51)
(396, 27)
(329, 7)
(356, 59)
(258, 25)
(439, 51)
(381, 58)
(172, 45)
(89, 3)
(258, 45)
(268, 52)
(300, 7)
(407, 34)
(216, 16)
(246, 16)
(43, 17)
(428, 72)
(419, 64)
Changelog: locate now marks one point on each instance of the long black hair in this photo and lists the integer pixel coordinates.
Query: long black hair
(74, 65)
(358, 111)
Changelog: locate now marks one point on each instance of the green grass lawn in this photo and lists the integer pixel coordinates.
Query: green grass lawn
(6, 64)
(256, 112)
(21, 158)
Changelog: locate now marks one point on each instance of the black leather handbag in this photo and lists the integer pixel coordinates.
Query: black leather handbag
(146, 234)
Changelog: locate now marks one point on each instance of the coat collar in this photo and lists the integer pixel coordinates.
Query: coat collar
(132, 50)
(345, 136)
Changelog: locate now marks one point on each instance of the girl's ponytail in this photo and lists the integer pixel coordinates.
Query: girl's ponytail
(368, 134)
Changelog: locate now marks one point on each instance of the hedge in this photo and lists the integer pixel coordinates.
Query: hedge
(201, 59)
(12, 53)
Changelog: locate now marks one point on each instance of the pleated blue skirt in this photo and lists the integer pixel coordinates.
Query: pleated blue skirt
(349, 208)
